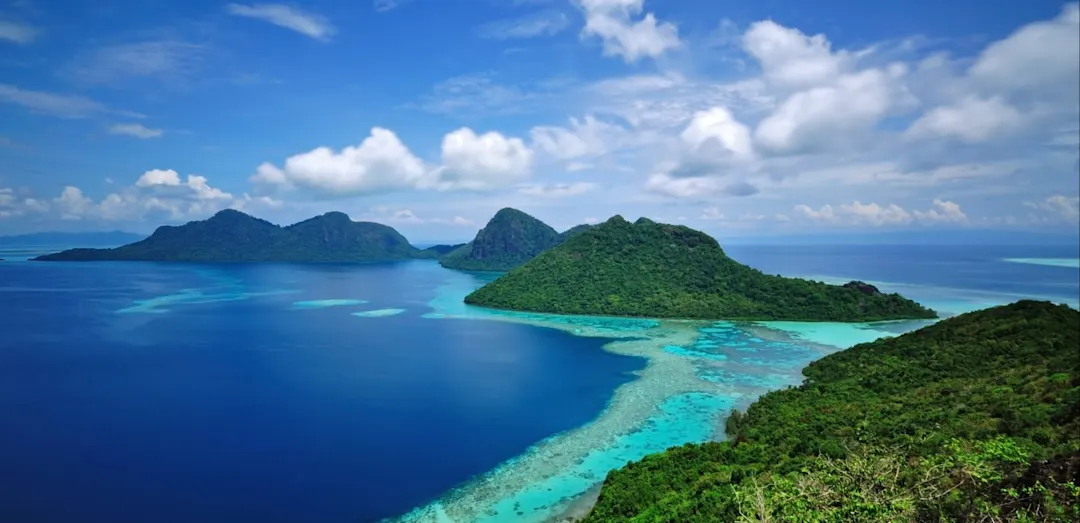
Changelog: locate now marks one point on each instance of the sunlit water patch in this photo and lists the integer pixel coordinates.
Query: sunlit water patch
(1050, 262)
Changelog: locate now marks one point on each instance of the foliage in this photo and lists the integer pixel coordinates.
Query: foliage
(975, 418)
(438, 251)
(657, 270)
(231, 236)
(574, 231)
(509, 239)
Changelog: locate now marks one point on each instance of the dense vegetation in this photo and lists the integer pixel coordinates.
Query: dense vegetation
(234, 236)
(574, 231)
(656, 270)
(509, 239)
(975, 418)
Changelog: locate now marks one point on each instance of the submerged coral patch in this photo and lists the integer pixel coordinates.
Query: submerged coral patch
(378, 313)
(322, 304)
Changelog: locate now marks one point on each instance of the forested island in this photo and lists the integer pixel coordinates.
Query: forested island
(974, 418)
(656, 270)
(232, 236)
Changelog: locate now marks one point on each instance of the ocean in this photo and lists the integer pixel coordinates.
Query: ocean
(137, 392)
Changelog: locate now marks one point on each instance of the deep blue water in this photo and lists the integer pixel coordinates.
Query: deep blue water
(217, 400)
(247, 410)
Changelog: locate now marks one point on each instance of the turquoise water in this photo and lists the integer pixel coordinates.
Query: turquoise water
(1051, 262)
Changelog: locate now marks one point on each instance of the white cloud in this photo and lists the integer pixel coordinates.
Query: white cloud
(971, 120)
(717, 127)
(544, 23)
(137, 130)
(557, 190)
(613, 22)
(582, 139)
(170, 61)
(63, 106)
(308, 24)
(16, 32)
(1041, 58)
(1066, 208)
(475, 95)
(943, 211)
(380, 162)
(790, 59)
(831, 115)
(858, 213)
(697, 186)
(479, 162)
(158, 193)
(400, 215)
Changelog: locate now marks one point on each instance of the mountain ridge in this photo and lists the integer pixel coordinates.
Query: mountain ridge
(232, 235)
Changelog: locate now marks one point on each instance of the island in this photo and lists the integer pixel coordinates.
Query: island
(233, 236)
(974, 418)
(656, 270)
(509, 239)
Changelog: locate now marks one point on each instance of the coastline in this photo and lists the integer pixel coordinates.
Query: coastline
(696, 372)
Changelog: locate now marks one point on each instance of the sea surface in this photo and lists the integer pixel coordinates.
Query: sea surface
(135, 392)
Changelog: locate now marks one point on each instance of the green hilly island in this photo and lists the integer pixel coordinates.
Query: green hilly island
(657, 270)
(509, 239)
(973, 419)
(232, 236)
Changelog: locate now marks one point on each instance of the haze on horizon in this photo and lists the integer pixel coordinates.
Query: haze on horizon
(767, 118)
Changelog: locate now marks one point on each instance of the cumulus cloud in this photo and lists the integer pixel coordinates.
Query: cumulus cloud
(136, 130)
(307, 24)
(858, 213)
(12, 204)
(485, 161)
(1060, 206)
(613, 21)
(402, 215)
(697, 186)
(791, 59)
(380, 162)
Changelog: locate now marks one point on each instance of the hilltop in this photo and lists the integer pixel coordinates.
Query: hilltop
(974, 418)
(509, 239)
(231, 236)
(657, 270)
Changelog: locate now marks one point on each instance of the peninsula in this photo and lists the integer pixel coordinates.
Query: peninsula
(232, 236)
(656, 270)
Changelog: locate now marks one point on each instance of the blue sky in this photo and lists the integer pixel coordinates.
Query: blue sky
(737, 118)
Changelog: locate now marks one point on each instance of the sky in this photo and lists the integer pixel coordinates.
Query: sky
(770, 117)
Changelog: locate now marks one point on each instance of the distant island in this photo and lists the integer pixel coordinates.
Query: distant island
(656, 270)
(442, 250)
(232, 236)
(509, 239)
(974, 418)
(67, 239)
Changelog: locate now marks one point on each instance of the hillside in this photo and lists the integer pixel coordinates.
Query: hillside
(574, 231)
(656, 270)
(231, 236)
(509, 239)
(974, 418)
